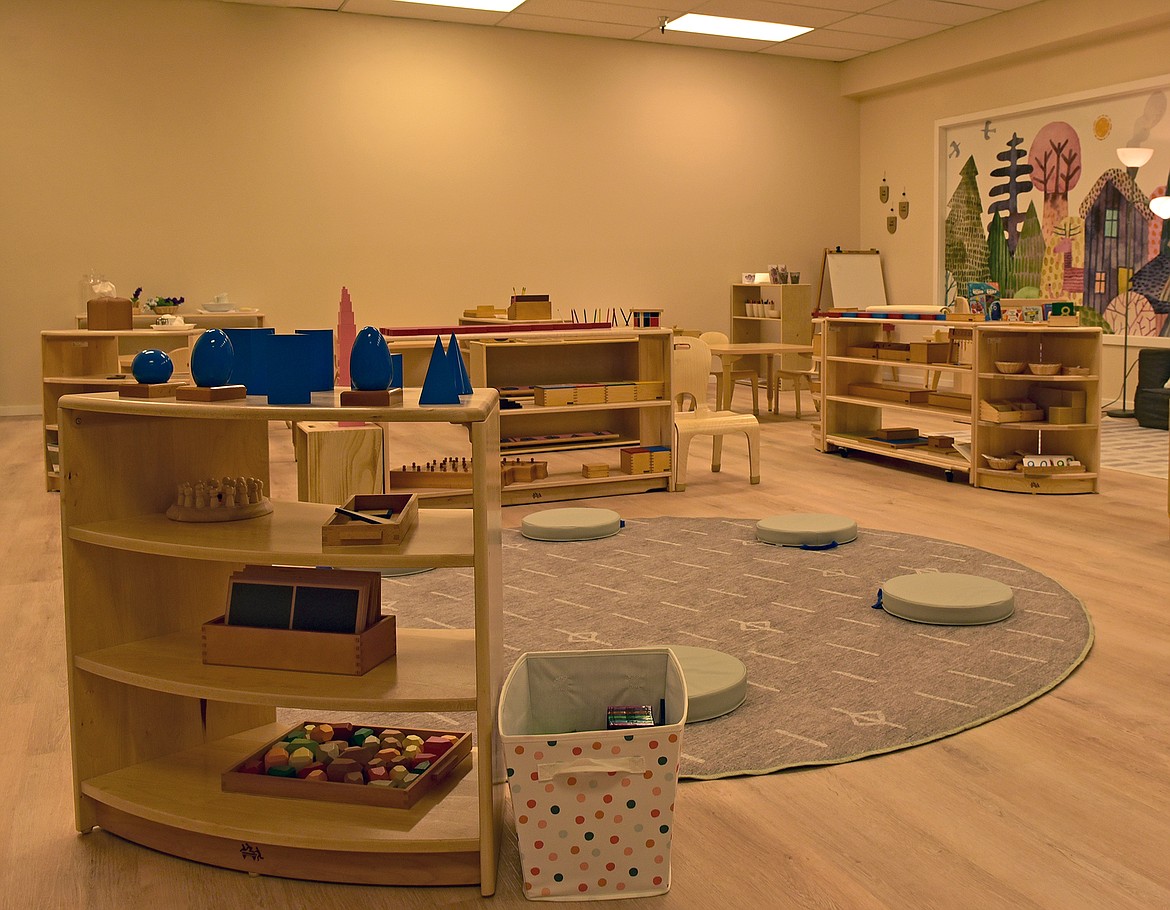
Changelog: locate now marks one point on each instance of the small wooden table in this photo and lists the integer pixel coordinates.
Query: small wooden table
(729, 353)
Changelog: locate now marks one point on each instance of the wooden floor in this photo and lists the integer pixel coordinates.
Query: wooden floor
(1063, 804)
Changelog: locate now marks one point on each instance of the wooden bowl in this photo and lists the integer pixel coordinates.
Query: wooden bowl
(1044, 369)
(1003, 462)
(1010, 366)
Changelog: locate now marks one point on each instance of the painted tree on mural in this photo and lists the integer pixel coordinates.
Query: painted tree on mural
(1028, 261)
(965, 247)
(1064, 261)
(999, 257)
(1055, 157)
(1015, 173)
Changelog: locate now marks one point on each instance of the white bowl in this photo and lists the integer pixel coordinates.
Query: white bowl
(214, 307)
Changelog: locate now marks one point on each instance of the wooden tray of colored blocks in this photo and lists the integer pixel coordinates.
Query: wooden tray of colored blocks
(390, 517)
(350, 763)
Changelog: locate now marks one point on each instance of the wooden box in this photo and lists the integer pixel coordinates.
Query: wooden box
(310, 652)
(955, 400)
(867, 351)
(589, 393)
(620, 391)
(648, 390)
(929, 351)
(1013, 410)
(892, 350)
(109, 313)
(234, 780)
(890, 391)
(341, 530)
(897, 433)
(530, 306)
(553, 395)
(635, 460)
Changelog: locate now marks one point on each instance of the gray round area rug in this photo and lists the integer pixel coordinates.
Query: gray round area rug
(830, 678)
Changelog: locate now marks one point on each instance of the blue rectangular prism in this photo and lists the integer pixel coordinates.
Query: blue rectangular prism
(321, 366)
(249, 367)
(288, 368)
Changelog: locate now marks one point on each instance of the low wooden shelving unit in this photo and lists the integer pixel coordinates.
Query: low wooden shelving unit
(598, 356)
(153, 727)
(851, 414)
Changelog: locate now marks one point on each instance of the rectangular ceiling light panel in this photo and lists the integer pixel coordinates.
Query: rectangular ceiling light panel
(735, 28)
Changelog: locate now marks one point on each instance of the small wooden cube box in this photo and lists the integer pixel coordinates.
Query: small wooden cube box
(290, 649)
(589, 394)
(550, 396)
(341, 530)
(235, 781)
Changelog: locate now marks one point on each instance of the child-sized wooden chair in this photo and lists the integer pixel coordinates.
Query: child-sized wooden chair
(736, 375)
(693, 416)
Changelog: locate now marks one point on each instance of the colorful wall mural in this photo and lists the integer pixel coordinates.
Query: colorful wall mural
(1038, 202)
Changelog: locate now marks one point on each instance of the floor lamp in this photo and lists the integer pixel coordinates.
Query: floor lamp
(1124, 411)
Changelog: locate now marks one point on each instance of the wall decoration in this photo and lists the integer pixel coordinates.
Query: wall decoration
(884, 191)
(904, 207)
(1036, 201)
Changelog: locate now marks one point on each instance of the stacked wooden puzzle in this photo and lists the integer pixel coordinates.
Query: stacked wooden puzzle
(350, 763)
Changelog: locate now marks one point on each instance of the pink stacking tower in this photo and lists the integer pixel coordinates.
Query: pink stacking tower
(346, 332)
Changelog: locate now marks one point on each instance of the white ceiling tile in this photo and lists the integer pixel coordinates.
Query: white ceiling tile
(422, 11)
(838, 6)
(892, 28)
(591, 11)
(932, 11)
(855, 41)
(766, 11)
(298, 4)
(573, 26)
(691, 40)
(787, 49)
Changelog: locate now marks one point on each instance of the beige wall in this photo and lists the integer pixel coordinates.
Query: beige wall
(1054, 48)
(193, 147)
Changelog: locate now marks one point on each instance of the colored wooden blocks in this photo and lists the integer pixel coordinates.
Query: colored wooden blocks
(351, 773)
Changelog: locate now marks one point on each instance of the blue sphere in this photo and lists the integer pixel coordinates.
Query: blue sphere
(152, 366)
(212, 359)
(369, 361)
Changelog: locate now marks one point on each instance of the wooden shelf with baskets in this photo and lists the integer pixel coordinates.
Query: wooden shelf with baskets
(1056, 364)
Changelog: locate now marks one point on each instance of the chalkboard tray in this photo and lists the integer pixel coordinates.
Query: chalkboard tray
(343, 653)
(236, 781)
(341, 530)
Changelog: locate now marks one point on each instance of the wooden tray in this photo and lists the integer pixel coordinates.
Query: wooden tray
(341, 530)
(235, 781)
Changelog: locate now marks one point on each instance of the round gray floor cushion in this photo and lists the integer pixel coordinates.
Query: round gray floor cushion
(947, 599)
(571, 524)
(810, 530)
(716, 682)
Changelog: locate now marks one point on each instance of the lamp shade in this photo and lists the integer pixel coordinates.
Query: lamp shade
(1134, 156)
(1160, 206)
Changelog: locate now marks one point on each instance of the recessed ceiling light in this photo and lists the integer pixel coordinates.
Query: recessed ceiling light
(493, 6)
(735, 28)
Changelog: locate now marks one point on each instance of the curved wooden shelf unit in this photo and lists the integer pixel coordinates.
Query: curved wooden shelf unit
(176, 805)
(174, 663)
(290, 535)
(963, 414)
(153, 728)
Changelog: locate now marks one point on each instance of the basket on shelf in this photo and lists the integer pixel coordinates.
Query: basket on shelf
(1003, 462)
(1044, 369)
(1010, 366)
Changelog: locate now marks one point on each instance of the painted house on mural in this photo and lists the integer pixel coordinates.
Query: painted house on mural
(1118, 228)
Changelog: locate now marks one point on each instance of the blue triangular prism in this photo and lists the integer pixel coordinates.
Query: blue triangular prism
(439, 385)
(458, 367)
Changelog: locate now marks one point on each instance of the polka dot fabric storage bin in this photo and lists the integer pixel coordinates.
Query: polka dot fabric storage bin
(594, 808)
